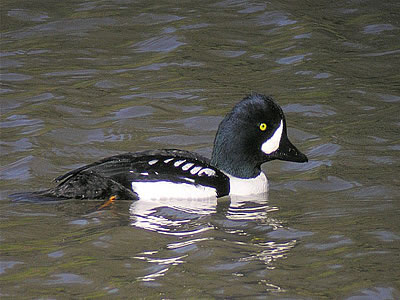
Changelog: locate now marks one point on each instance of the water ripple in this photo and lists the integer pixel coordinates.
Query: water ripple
(77, 26)
(67, 278)
(159, 44)
(316, 110)
(14, 77)
(378, 28)
(291, 59)
(274, 18)
(152, 19)
(4, 265)
(27, 15)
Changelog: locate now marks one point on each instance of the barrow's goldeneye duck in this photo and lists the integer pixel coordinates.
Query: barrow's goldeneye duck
(253, 133)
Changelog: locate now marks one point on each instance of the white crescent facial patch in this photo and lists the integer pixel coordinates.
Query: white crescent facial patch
(272, 144)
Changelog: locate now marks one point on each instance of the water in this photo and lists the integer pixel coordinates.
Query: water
(86, 80)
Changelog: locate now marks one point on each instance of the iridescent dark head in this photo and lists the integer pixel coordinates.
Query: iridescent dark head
(254, 132)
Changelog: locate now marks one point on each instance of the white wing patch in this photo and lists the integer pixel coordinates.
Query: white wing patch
(206, 171)
(195, 170)
(152, 162)
(159, 190)
(169, 190)
(189, 180)
(179, 162)
(272, 144)
(187, 166)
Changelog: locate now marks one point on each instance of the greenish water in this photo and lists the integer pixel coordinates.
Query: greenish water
(84, 80)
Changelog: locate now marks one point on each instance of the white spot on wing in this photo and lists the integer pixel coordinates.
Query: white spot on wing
(168, 160)
(272, 144)
(195, 170)
(189, 180)
(179, 162)
(206, 171)
(152, 162)
(187, 166)
(144, 174)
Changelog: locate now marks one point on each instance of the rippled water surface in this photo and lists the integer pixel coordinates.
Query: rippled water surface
(84, 80)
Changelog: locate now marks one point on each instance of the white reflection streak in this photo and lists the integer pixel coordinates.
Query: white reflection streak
(273, 252)
(191, 232)
(153, 276)
(252, 213)
(272, 287)
(259, 208)
(144, 214)
(173, 261)
(163, 261)
(186, 243)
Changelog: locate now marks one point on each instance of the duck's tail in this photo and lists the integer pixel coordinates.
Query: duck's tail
(84, 185)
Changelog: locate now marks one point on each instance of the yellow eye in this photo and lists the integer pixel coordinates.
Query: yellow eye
(263, 126)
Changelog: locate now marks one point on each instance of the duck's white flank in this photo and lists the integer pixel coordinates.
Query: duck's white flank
(272, 144)
(170, 190)
(251, 186)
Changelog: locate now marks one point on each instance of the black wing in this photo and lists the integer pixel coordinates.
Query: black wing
(155, 165)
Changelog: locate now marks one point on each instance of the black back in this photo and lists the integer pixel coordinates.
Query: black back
(155, 165)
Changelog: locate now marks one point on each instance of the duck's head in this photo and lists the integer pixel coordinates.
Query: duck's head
(254, 132)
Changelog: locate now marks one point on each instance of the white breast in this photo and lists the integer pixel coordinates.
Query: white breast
(170, 190)
(251, 186)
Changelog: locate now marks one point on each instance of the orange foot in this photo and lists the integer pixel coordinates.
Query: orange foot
(109, 202)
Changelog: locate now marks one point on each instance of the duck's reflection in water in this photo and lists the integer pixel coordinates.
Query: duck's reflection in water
(241, 225)
(184, 217)
(170, 216)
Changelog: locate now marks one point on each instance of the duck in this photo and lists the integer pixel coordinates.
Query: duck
(252, 133)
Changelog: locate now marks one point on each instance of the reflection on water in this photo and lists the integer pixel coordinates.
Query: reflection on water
(181, 217)
(170, 217)
(190, 219)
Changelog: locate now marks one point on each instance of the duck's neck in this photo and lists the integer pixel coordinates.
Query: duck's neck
(234, 163)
